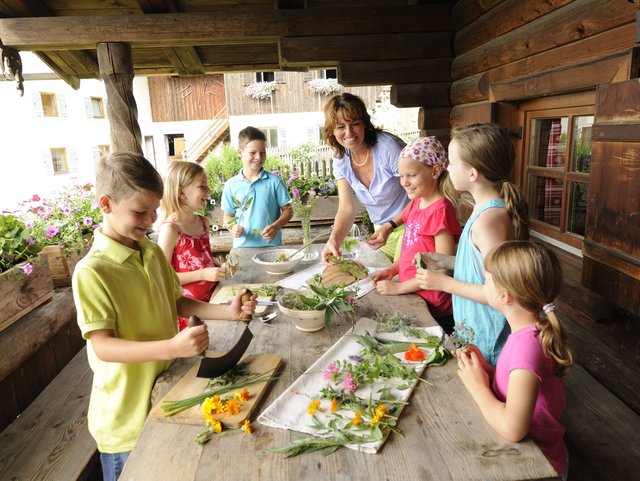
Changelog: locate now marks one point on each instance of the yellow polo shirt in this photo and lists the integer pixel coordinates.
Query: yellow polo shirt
(134, 293)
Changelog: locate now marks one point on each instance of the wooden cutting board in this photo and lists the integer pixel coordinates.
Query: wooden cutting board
(191, 385)
(228, 292)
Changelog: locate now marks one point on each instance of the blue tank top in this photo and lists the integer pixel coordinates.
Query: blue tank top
(490, 326)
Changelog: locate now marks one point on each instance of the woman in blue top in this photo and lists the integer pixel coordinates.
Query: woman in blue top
(481, 157)
(365, 163)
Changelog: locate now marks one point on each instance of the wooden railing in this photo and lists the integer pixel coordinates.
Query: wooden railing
(201, 146)
(321, 164)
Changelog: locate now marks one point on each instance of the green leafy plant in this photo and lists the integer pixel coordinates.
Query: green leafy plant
(240, 206)
(16, 243)
(398, 322)
(335, 301)
(462, 335)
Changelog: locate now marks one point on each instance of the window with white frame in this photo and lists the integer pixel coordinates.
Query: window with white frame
(49, 104)
(265, 76)
(59, 161)
(271, 133)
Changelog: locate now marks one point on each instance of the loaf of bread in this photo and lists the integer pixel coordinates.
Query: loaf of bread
(344, 272)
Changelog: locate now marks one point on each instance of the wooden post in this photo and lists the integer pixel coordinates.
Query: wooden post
(116, 70)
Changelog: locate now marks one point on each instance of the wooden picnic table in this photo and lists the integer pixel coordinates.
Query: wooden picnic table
(445, 435)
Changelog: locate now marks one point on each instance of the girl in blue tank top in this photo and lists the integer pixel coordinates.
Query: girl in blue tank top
(481, 157)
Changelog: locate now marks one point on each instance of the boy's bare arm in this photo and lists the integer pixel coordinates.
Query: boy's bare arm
(270, 231)
(110, 348)
(234, 311)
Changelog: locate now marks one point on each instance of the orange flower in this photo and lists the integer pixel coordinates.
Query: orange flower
(246, 427)
(244, 395)
(313, 407)
(334, 405)
(232, 406)
(414, 354)
(357, 418)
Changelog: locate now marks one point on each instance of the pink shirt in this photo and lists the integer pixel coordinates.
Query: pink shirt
(523, 350)
(421, 225)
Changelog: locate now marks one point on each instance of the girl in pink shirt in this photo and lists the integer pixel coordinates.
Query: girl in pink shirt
(430, 221)
(522, 280)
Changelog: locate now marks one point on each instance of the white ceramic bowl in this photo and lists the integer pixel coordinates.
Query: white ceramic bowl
(306, 321)
(268, 259)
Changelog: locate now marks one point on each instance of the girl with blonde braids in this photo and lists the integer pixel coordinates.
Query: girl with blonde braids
(522, 280)
(481, 157)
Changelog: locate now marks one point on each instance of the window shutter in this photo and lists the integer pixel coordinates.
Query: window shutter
(279, 77)
(72, 160)
(47, 162)
(312, 135)
(308, 75)
(282, 137)
(37, 104)
(88, 106)
(247, 79)
(62, 106)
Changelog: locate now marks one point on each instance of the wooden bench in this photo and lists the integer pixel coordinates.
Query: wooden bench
(603, 433)
(50, 439)
(45, 385)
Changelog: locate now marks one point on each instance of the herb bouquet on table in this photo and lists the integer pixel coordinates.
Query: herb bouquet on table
(353, 395)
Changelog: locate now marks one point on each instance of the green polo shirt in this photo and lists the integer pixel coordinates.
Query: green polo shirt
(134, 293)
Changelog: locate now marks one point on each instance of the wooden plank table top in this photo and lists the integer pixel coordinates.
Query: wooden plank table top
(445, 435)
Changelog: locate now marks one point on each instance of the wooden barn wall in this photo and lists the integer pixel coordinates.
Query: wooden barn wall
(509, 50)
(186, 98)
(292, 95)
(501, 44)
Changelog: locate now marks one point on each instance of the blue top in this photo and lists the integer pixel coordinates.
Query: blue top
(269, 196)
(490, 326)
(385, 197)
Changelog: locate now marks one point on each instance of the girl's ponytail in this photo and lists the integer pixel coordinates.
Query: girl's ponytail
(531, 274)
(553, 339)
(517, 208)
(446, 188)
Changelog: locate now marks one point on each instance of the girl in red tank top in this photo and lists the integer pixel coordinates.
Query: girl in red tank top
(184, 235)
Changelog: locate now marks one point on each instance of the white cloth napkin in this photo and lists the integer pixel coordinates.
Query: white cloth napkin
(299, 279)
(289, 410)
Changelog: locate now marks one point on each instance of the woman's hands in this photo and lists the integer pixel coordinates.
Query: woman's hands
(379, 237)
(330, 248)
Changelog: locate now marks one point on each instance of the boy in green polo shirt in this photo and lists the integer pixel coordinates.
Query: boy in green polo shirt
(128, 299)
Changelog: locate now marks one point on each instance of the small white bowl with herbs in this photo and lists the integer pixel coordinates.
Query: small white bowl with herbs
(278, 261)
(310, 309)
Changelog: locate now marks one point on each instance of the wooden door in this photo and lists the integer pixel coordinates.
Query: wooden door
(611, 246)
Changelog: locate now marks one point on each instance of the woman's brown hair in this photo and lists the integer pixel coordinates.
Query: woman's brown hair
(351, 107)
(532, 275)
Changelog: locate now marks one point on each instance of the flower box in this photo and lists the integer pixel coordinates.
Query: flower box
(61, 266)
(21, 293)
(325, 210)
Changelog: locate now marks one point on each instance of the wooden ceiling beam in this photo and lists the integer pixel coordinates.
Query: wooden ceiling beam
(223, 27)
(389, 46)
(185, 60)
(72, 80)
(432, 95)
(394, 71)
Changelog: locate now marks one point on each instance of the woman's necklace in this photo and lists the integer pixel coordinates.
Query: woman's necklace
(365, 160)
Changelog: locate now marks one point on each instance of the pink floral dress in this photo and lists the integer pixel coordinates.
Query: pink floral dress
(193, 253)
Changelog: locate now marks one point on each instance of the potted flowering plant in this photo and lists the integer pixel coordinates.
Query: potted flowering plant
(25, 280)
(64, 223)
(324, 86)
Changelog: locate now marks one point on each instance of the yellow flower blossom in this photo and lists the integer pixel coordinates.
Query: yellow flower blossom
(382, 410)
(246, 427)
(334, 405)
(313, 407)
(243, 395)
(216, 426)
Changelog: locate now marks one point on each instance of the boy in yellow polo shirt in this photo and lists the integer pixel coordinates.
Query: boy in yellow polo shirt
(128, 300)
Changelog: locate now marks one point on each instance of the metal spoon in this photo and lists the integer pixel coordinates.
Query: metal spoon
(268, 318)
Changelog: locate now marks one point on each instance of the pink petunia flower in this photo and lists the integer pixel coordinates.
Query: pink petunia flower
(27, 268)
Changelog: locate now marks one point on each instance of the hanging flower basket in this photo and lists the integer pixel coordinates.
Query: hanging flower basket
(324, 86)
(260, 90)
